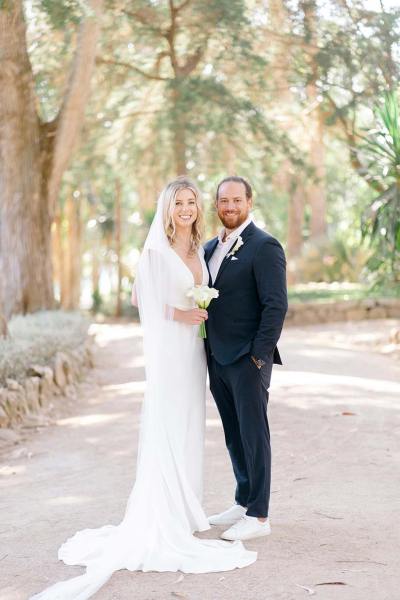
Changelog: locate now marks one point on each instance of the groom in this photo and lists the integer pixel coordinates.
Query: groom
(244, 324)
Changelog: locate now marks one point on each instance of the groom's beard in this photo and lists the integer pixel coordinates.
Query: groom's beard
(232, 221)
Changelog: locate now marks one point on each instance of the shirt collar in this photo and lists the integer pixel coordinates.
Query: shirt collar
(236, 232)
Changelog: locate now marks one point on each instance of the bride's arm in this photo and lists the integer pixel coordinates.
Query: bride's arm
(134, 300)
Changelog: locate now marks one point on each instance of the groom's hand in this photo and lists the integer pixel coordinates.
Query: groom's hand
(258, 362)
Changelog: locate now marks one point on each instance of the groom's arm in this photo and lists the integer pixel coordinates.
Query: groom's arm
(270, 275)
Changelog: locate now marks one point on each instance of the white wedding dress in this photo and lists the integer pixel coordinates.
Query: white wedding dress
(164, 508)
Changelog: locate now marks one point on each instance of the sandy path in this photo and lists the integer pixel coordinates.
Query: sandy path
(336, 488)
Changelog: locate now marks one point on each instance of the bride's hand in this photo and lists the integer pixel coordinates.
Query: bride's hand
(194, 316)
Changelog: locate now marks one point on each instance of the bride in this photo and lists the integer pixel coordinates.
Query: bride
(164, 508)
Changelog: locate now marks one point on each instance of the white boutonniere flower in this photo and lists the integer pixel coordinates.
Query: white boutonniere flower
(239, 244)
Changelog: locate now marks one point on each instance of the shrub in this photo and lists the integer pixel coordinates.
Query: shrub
(331, 260)
(36, 338)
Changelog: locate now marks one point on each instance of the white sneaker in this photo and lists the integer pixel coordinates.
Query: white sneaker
(246, 529)
(228, 517)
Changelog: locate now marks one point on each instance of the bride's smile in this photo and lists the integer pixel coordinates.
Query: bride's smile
(185, 210)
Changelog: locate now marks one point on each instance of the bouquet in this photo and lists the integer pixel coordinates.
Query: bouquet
(202, 295)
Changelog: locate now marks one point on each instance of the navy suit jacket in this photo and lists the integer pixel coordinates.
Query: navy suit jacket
(248, 316)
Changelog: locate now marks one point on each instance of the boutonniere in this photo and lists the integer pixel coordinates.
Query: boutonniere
(239, 243)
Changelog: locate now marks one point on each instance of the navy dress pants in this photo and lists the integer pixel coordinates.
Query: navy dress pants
(240, 391)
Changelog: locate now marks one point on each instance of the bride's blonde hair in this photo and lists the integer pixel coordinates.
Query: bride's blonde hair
(168, 197)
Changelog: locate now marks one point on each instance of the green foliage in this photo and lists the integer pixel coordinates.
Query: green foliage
(36, 338)
(336, 292)
(61, 12)
(228, 107)
(332, 260)
(381, 158)
(97, 301)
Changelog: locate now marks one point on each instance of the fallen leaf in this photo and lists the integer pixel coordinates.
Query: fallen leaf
(347, 413)
(310, 591)
(300, 478)
(179, 595)
(332, 583)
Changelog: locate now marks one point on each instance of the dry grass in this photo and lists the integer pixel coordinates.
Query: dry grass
(35, 338)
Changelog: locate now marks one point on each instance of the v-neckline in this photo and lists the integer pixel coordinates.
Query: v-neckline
(189, 269)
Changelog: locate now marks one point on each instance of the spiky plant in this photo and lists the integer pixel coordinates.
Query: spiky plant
(380, 152)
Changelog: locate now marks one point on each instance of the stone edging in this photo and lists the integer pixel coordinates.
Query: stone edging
(313, 313)
(21, 402)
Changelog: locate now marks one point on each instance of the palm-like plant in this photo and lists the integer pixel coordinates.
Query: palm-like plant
(380, 153)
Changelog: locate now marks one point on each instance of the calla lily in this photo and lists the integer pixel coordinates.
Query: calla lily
(202, 295)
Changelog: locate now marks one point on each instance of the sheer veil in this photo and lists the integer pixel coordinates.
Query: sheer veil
(163, 510)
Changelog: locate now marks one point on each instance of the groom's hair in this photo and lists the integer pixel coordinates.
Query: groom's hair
(236, 179)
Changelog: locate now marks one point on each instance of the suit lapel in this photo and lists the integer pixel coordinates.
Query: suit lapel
(210, 252)
(224, 262)
(246, 233)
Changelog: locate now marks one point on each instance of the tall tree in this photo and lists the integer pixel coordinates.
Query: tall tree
(316, 196)
(288, 179)
(33, 157)
(191, 55)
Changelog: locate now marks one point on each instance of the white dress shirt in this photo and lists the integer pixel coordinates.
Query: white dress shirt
(223, 248)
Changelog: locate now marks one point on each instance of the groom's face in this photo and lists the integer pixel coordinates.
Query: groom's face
(233, 206)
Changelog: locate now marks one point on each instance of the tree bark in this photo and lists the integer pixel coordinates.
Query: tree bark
(286, 180)
(58, 254)
(72, 111)
(295, 227)
(118, 307)
(24, 245)
(72, 252)
(317, 188)
(33, 158)
(179, 133)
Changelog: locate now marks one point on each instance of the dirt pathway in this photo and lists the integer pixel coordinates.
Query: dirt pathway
(334, 415)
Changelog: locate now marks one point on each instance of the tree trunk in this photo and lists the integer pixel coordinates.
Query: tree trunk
(317, 188)
(296, 220)
(58, 254)
(118, 307)
(315, 128)
(285, 180)
(26, 285)
(94, 243)
(33, 158)
(72, 111)
(3, 327)
(72, 253)
(179, 133)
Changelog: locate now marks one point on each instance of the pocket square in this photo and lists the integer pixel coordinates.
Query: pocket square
(234, 258)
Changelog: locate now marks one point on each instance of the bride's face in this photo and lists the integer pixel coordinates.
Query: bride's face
(185, 209)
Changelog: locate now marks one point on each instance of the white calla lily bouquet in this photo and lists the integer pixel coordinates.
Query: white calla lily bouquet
(202, 295)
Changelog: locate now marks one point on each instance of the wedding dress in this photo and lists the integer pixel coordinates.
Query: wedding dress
(164, 508)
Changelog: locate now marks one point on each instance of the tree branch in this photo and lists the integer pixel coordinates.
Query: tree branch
(72, 111)
(183, 5)
(192, 61)
(170, 37)
(129, 66)
(146, 17)
(352, 145)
